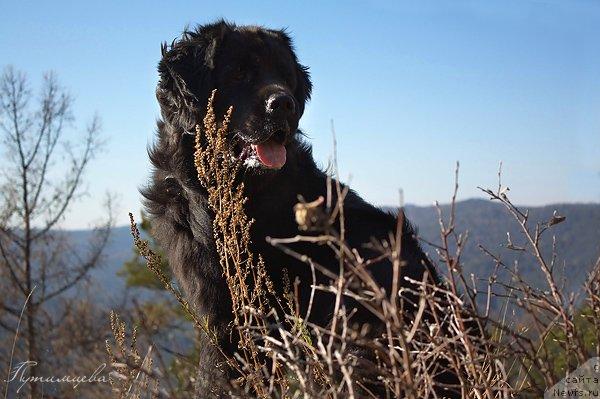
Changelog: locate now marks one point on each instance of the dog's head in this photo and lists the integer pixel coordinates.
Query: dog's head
(254, 70)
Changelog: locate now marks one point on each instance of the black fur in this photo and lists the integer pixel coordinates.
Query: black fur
(246, 64)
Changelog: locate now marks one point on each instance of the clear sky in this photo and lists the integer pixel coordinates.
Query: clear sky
(411, 87)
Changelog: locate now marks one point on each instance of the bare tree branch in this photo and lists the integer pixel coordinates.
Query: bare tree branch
(32, 252)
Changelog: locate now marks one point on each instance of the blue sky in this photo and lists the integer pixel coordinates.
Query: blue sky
(412, 88)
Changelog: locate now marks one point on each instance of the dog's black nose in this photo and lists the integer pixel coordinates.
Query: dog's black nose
(281, 104)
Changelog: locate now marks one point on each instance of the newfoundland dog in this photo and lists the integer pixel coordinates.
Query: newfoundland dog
(256, 71)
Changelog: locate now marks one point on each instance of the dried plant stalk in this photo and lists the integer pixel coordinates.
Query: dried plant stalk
(246, 276)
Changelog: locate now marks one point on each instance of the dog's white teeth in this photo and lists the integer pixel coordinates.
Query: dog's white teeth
(247, 152)
(252, 162)
(249, 157)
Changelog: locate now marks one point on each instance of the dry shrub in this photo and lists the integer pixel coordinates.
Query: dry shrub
(450, 329)
(132, 376)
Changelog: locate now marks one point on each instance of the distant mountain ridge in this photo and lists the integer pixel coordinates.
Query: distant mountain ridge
(487, 224)
(578, 241)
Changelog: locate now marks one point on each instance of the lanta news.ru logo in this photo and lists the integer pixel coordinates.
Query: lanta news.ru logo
(584, 382)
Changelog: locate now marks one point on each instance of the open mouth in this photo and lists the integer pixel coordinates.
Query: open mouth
(270, 153)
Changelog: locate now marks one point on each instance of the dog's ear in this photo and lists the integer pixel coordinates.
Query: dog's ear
(304, 85)
(185, 74)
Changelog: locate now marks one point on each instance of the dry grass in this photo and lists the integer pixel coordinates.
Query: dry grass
(282, 355)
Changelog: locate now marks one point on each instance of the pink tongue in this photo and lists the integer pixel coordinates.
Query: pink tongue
(271, 154)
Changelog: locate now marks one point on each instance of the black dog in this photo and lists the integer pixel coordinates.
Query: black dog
(256, 71)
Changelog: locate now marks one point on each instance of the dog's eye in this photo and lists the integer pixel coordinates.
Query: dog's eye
(239, 74)
(290, 77)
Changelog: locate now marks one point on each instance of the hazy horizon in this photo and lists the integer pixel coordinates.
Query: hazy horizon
(125, 224)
